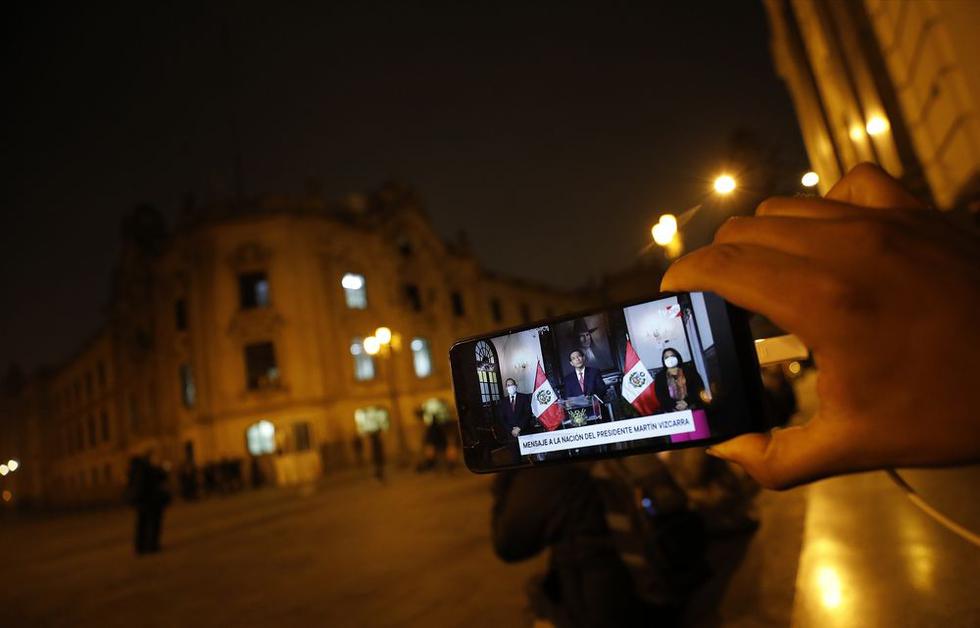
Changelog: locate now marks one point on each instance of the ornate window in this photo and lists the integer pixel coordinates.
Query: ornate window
(105, 426)
(302, 436)
(495, 310)
(459, 308)
(188, 392)
(253, 290)
(421, 357)
(261, 369)
(355, 290)
(486, 371)
(363, 362)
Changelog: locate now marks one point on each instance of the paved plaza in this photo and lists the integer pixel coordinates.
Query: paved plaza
(416, 552)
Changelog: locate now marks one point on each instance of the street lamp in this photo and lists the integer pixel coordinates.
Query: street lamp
(372, 345)
(383, 334)
(724, 184)
(876, 125)
(665, 230)
(384, 342)
(665, 234)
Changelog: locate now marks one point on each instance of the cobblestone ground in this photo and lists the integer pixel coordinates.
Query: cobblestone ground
(415, 551)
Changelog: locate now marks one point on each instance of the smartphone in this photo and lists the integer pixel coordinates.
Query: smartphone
(672, 371)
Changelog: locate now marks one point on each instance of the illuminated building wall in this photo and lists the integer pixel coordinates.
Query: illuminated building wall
(887, 81)
(241, 320)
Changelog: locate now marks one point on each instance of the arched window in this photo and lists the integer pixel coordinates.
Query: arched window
(261, 438)
(486, 372)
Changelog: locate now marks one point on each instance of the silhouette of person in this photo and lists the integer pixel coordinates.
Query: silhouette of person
(377, 454)
(148, 493)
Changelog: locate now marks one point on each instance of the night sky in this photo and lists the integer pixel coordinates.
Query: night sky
(547, 133)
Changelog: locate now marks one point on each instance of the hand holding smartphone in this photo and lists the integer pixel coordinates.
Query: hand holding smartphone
(678, 370)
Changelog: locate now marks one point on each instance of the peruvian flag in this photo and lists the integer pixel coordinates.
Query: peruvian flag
(544, 402)
(638, 385)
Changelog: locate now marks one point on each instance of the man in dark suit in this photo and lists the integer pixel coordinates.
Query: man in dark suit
(515, 410)
(583, 380)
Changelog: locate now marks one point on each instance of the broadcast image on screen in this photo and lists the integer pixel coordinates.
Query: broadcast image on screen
(641, 376)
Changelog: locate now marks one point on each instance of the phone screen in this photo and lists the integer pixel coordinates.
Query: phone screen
(678, 370)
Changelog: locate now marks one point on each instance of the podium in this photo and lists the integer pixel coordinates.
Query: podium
(582, 410)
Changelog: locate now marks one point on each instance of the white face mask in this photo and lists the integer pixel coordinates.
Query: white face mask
(670, 361)
(512, 390)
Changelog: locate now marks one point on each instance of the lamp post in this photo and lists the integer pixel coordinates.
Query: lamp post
(385, 344)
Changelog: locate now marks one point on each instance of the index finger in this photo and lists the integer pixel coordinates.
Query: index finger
(825, 209)
(783, 287)
(867, 185)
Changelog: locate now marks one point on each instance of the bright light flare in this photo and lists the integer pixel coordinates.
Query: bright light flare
(352, 281)
(4, 469)
(12, 464)
(725, 184)
(877, 125)
(665, 230)
(856, 133)
(810, 179)
(7, 496)
(383, 334)
(372, 345)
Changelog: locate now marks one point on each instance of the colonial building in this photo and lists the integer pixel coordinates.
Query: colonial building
(888, 81)
(241, 335)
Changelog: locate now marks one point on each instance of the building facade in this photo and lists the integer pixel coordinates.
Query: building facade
(887, 81)
(241, 336)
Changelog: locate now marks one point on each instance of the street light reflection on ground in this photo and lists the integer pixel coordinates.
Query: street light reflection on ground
(724, 184)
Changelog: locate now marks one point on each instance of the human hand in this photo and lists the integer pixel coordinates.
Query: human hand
(886, 295)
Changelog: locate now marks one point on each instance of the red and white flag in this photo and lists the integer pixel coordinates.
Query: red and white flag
(638, 385)
(544, 402)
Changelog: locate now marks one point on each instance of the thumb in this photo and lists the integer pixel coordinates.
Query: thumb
(783, 458)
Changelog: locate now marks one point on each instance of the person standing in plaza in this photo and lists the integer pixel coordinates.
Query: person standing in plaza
(378, 455)
(147, 492)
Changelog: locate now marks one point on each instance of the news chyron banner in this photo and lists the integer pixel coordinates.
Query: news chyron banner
(607, 433)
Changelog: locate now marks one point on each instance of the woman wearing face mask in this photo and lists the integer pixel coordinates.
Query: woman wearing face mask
(678, 386)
